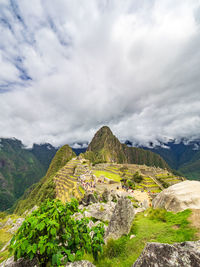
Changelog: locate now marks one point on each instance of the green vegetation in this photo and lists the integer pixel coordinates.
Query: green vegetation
(63, 155)
(105, 147)
(150, 226)
(51, 233)
(137, 177)
(163, 182)
(107, 174)
(5, 235)
(19, 169)
(46, 187)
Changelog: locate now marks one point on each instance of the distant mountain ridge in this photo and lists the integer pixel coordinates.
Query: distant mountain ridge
(20, 168)
(183, 156)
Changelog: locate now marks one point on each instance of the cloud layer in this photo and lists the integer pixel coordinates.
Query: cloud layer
(68, 67)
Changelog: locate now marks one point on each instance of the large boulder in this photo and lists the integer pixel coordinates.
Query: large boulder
(100, 211)
(121, 220)
(178, 197)
(19, 263)
(186, 254)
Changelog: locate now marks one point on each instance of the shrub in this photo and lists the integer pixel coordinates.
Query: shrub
(123, 169)
(115, 247)
(51, 233)
(137, 177)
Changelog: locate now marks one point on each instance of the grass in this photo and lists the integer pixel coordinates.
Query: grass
(81, 190)
(5, 236)
(150, 226)
(112, 176)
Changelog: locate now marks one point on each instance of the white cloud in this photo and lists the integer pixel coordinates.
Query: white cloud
(131, 65)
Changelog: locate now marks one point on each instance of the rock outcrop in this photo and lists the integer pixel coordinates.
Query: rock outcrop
(100, 211)
(88, 199)
(186, 254)
(19, 263)
(121, 220)
(178, 197)
(34, 263)
(80, 264)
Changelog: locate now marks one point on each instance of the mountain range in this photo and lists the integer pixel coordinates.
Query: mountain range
(20, 167)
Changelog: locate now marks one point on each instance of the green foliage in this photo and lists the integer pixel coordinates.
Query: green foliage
(164, 183)
(114, 248)
(177, 173)
(46, 187)
(51, 233)
(137, 177)
(123, 169)
(19, 169)
(63, 155)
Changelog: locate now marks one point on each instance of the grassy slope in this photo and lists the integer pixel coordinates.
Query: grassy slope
(5, 236)
(46, 187)
(147, 228)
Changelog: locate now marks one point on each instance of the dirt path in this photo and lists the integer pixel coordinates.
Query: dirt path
(195, 221)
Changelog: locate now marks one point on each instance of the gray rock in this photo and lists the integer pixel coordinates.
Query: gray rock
(178, 197)
(88, 199)
(80, 264)
(186, 254)
(16, 225)
(9, 222)
(106, 196)
(20, 263)
(5, 247)
(100, 211)
(121, 219)
(28, 212)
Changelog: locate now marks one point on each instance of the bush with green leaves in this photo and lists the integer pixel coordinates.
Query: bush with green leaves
(137, 177)
(51, 233)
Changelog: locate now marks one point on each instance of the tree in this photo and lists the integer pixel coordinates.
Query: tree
(137, 177)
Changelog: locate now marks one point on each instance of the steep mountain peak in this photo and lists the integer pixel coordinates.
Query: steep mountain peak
(107, 146)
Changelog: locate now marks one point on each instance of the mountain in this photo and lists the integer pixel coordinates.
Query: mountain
(20, 168)
(45, 188)
(183, 156)
(105, 147)
(44, 153)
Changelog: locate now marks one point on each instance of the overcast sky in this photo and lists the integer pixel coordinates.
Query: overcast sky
(69, 67)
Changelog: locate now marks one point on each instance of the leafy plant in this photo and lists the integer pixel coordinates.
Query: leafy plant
(51, 233)
(137, 177)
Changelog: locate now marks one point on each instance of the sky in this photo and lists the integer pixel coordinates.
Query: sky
(69, 67)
